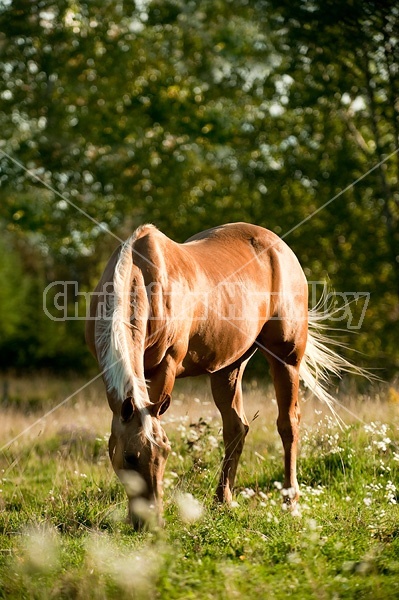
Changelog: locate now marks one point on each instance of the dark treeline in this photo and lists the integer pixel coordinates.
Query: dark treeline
(188, 115)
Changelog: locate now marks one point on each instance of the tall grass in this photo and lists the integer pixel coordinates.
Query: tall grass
(62, 525)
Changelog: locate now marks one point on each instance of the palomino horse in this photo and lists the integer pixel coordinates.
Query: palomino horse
(164, 310)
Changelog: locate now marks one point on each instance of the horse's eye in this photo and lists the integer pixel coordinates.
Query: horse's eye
(132, 460)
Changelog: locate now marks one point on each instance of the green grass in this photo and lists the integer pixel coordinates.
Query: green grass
(62, 527)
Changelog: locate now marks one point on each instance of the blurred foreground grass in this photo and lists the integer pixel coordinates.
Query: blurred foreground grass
(62, 527)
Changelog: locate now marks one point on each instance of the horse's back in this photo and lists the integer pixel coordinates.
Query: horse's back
(233, 251)
(242, 251)
(237, 268)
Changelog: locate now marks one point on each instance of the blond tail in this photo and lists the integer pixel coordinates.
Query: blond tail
(115, 340)
(321, 361)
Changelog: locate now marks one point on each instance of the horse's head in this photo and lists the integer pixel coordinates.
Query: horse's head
(138, 449)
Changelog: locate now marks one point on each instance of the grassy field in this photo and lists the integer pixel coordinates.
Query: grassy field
(62, 512)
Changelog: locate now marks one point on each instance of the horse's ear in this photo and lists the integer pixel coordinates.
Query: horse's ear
(160, 407)
(127, 409)
(165, 403)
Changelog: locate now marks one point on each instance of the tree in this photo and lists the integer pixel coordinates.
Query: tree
(192, 114)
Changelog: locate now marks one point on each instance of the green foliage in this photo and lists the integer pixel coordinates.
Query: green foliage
(190, 114)
(14, 290)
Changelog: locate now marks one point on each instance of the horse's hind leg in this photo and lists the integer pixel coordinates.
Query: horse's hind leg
(285, 373)
(286, 382)
(227, 393)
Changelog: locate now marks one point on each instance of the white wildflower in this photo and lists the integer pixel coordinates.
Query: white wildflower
(131, 571)
(296, 511)
(288, 492)
(247, 493)
(312, 524)
(133, 482)
(294, 558)
(390, 492)
(40, 548)
(190, 508)
(213, 441)
(142, 509)
(192, 435)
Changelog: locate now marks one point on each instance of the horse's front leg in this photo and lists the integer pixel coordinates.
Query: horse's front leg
(227, 393)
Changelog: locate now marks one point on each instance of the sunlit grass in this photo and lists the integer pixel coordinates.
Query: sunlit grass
(62, 527)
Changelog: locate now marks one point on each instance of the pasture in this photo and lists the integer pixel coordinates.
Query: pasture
(62, 514)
